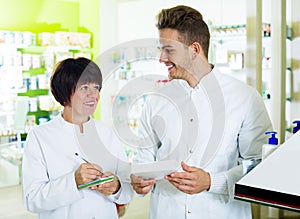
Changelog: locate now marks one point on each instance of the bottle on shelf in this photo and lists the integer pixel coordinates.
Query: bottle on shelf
(272, 145)
(296, 128)
(291, 131)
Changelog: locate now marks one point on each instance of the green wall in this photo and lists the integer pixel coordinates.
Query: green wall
(39, 15)
(51, 16)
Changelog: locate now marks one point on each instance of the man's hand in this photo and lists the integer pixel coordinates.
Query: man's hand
(192, 181)
(140, 185)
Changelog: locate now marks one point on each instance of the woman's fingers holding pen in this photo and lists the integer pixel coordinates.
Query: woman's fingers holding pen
(108, 188)
(95, 167)
(87, 172)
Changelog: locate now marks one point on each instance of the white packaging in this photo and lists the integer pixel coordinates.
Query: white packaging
(27, 61)
(33, 83)
(42, 81)
(19, 38)
(35, 61)
(45, 39)
(45, 102)
(267, 149)
(33, 104)
(29, 38)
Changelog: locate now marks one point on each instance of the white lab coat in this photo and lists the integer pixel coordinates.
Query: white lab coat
(210, 126)
(49, 164)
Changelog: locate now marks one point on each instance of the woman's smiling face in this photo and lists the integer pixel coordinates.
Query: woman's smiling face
(85, 99)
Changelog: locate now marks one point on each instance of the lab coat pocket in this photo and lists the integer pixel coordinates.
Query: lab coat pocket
(218, 205)
(171, 206)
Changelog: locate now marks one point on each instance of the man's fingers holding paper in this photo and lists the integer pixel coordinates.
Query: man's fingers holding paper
(193, 180)
(140, 185)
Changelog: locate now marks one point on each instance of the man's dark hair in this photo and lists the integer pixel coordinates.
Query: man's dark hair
(188, 22)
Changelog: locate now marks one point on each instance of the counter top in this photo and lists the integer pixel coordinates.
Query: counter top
(12, 153)
(276, 180)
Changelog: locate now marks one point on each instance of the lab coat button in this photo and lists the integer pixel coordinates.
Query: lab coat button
(191, 120)
(191, 151)
(189, 211)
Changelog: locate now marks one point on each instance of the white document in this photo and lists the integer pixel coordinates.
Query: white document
(154, 170)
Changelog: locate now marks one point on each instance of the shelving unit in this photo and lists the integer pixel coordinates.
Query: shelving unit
(229, 46)
(33, 64)
(25, 98)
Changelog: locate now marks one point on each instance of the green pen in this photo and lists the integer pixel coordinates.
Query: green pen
(98, 181)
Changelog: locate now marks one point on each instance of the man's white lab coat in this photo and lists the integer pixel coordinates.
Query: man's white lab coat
(210, 126)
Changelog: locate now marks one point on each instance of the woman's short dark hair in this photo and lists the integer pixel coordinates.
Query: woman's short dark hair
(71, 73)
(188, 22)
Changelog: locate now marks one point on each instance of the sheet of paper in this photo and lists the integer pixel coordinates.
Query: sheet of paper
(106, 155)
(154, 170)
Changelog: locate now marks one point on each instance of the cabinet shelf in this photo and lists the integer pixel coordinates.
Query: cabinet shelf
(33, 93)
(34, 71)
(32, 49)
(43, 114)
(44, 49)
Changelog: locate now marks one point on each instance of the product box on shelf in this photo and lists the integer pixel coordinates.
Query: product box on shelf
(72, 39)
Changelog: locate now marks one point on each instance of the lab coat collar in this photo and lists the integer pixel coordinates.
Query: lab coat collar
(69, 124)
(185, 84)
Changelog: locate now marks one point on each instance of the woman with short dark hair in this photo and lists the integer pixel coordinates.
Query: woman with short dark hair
(52, 173)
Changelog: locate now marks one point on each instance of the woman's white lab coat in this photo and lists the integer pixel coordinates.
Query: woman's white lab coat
(210, 126)
(49, 164)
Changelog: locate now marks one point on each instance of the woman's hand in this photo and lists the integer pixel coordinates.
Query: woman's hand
(108, 188)
(87, 172)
